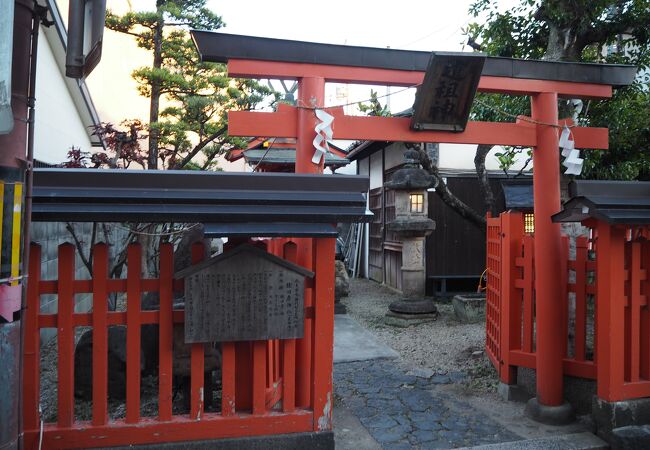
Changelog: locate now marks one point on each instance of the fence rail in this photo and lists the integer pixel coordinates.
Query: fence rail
(267, 387)
(606, 285)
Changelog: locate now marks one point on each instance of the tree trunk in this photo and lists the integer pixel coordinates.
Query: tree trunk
(483, 181)
(562, 44)
(154, 106)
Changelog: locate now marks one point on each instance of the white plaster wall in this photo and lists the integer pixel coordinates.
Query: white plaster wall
(364, 166)
(58, 126)
(376, 173)
(394, 155)
(350, 169)
(461, 156)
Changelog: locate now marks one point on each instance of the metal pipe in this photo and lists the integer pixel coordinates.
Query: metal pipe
(40, 13)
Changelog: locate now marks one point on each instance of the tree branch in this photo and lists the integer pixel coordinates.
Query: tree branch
(483, 181)
(198, 148)
(446, 195)
(80, 249)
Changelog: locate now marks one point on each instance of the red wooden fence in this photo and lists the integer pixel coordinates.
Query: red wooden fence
(605, 304)
(268, 387)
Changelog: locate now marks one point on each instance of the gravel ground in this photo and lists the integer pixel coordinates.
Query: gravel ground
(443, 346)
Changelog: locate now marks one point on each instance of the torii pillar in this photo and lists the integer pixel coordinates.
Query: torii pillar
(549, 405)
(311, 93)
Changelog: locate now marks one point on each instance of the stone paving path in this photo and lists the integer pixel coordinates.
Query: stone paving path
(404, 411)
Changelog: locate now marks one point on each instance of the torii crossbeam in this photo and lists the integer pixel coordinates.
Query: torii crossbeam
(314, 64)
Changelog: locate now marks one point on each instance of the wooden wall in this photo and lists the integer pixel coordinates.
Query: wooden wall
(456, 248)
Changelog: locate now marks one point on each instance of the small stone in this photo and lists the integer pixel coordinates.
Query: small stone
(381, 422)
(457, 376)
(477, 354)
(440, 379)
(421, 372)
(424, 436)
(389, 435)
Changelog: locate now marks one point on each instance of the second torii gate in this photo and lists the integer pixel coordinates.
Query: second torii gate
(315, 64)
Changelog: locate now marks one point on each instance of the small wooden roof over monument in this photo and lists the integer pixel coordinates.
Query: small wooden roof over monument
(228, 203)
(249, 249)
(614, 202)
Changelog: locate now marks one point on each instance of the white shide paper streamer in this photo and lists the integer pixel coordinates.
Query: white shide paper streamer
(323, 134)
(572, 161)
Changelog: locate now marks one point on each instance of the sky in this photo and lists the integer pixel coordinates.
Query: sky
(406, 24)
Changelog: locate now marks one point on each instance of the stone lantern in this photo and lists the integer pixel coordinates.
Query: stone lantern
(412, 225)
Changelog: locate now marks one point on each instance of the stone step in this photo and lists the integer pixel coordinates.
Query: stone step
(576, 441)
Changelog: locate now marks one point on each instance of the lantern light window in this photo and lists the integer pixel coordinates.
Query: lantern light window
(416, 201)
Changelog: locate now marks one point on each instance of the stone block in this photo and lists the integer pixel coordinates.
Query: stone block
(513, 393)
(469, 308)
(612, 415)
(630, 438)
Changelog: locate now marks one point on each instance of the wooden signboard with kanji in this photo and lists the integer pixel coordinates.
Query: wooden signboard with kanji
(243, 295)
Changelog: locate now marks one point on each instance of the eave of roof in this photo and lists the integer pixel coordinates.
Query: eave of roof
(220, 47)
(57, 37)
(103, 195)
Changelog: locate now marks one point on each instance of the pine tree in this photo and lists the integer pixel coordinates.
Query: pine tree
(195, 96)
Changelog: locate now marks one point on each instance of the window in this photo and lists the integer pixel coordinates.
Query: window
(416, 203)
(529, 223)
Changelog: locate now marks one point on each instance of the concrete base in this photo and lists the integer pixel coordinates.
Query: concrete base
(296, 441)
(352, 342)
(577, 391)
(407, 320)
(513, 393)
(469, 308)
(576, 441)
(616, 415)
(630, 438)
(550, 415)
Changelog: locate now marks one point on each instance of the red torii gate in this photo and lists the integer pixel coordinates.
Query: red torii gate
(312, 65)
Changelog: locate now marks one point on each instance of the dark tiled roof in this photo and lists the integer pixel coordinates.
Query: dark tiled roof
(615, 202)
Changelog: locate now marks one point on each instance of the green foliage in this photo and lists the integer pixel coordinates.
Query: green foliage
(195, 96)
(606, 31)
(374, 108)
(627, 116)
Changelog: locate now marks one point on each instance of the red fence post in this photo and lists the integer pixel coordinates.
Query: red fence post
(258, 386)
(634, 302)
(303, 346)
(580, 266)
(100, 333)
(528, 297)
(133, 332)
(323, 333)
(166, 332)
(290, 253)
(228, 400)
(65, 335)
(610, 277)
(197, 356)
(512, 230)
